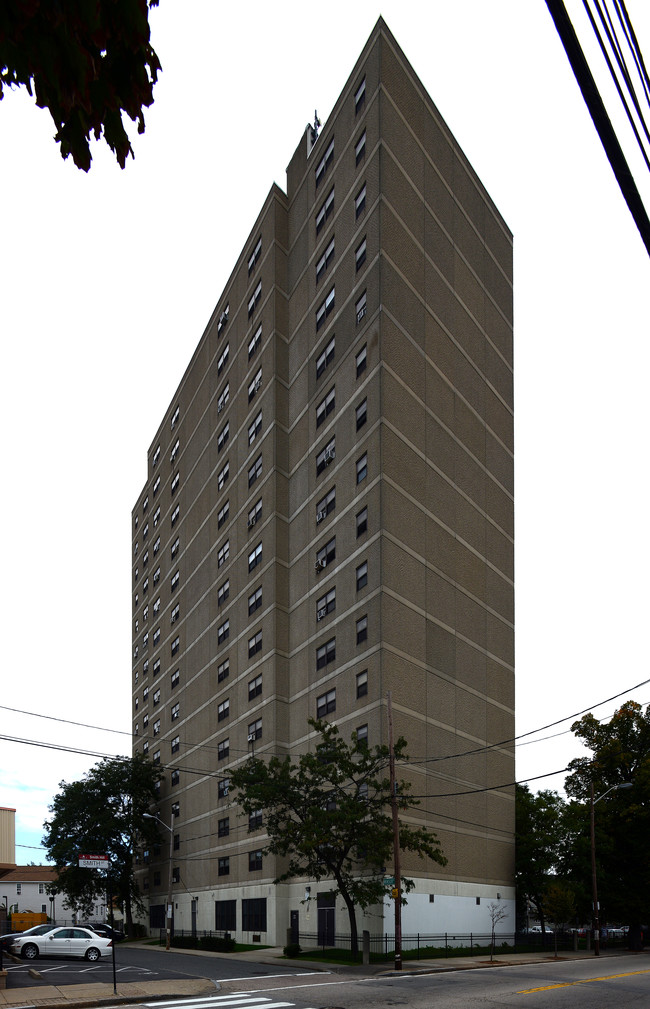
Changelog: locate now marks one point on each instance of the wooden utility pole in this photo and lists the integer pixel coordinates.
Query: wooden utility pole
(397, 889)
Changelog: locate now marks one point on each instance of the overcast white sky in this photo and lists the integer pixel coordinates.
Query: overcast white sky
(109, 279)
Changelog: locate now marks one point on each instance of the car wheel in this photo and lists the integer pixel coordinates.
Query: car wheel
(92, 953)
(30, 951)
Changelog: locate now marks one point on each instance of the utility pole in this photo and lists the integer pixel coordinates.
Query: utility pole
(397, 890)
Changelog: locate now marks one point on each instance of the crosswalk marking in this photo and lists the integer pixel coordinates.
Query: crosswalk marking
(233, 1001)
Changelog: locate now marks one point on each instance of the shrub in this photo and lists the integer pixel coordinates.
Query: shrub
(216, 944)
(292, 950)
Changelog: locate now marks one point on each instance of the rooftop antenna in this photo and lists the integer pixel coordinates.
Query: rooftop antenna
(312, 133)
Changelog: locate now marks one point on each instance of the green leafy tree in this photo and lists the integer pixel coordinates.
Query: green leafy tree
(87, 61)
(102, 814)
(328, 814)
(538, 837)
(620, 753)
(560, 904)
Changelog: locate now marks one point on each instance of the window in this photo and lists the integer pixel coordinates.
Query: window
(255, 514)
(145, 559)
(175, 712)
(174, 451)
(360, 97)
(359, 148)
(224, 865)
(326, 704)
(362, 629)
(224, 553)
(145, 586)
(176, 875)
(362, 735)
(254, 644)
(326, 653)
(223, 359)
(156, 727)
(145, 748)
(255, 820)
(156, 636)
(156, 606)
(254, 256)
(223, 592)
(223, 749)
(223, 319)
(145, 720)
(156, 878)
(156, 757)
(326, 604)
(225, 915)
(255, 385)
(176, 612)
(326, 554)
(325, 308)
(175, 416)
(325, 407)
(360, 201)
(254, 428)
(145, 533)
(255, 341)
(176, 512)
(223, 710)
(156, 697)
(223, 827)
(255, 730)
(223, 669)
(325, 358)
(156, 667)
(175, 678)
(253, 914)
(222, 477)
(362, 575)
(176, 744)
(325, 211)
(254, 299)
(361, 360)
(362, 467)
(324, 261)
(361, 307)
(177, 842)
(175, 777)
(145, 669)
(156, 485)
(360, 254)
(145, 505)
(362, 414)
(19, 888)
(156, 516)
(255, 471)
(175, 482)
(145, 695)
(176, 545)
(254, 688)
(362, 683)
(176, 644)
(224, 397)
(223, 436)
(156, 456)
(326, 505)
(223, 788)
(362, 522)
(223, 514)
(255, 860)
(223, 632)
(255, 601)
(325, 162)
(326, 456)
(255, 557)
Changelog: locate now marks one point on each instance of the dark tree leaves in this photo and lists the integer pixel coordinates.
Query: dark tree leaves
(328, 815)
(87, 61)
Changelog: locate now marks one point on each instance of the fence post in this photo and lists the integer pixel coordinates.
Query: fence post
(446, 947)
(471, 944)
(366, 946)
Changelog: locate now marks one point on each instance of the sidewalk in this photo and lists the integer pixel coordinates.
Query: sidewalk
(80, 996)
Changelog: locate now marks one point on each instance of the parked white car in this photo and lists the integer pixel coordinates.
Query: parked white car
(63, 942)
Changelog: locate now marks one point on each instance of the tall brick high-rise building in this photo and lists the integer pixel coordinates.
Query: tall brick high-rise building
(328, 516)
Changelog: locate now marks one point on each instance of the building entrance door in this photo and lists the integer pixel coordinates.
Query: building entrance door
(326, 930)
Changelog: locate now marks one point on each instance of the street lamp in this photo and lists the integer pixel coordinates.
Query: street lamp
(614, 788)
(150, 816)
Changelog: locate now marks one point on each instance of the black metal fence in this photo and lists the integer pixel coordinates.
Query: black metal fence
(428, 946)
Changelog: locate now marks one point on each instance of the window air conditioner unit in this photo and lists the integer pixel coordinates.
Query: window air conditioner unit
(320, 564)
(219, 407)
(252, 520)
(322, 612)
(329, 455)
(258, 385)
(322, 514)
(251, 737)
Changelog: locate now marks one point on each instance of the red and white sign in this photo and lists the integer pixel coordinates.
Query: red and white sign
(93, 862)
